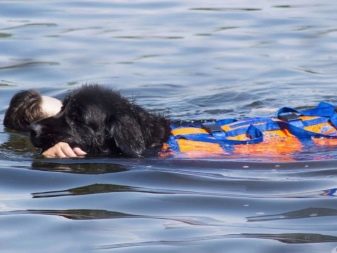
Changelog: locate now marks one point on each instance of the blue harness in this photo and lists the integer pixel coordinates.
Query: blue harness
(304, 125)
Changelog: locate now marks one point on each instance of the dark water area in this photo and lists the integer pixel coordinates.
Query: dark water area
(188, 60)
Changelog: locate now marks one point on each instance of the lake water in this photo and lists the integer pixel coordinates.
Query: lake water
(187, 59)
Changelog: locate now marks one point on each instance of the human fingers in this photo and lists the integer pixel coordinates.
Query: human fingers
(53, 152)
(79, 151)
(49, 153)
(59, 154)
(59, 150)
(66, 150)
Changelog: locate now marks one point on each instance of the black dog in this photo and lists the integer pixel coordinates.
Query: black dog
(101, 121)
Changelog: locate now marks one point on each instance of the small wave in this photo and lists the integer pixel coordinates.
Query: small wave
(30, 25)
(224, 9)
(27, 64)
(5, 35)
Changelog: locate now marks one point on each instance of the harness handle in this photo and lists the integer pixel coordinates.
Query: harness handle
(254, 134)
(287, 114)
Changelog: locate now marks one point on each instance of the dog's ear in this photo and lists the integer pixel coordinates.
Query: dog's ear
(127, 135)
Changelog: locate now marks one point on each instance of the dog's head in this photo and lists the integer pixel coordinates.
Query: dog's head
(101, 121)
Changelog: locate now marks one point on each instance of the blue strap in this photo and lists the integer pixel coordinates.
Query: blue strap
(222, 122)
(263, 124)
(323, 109)
(254, 134)
(290, 119)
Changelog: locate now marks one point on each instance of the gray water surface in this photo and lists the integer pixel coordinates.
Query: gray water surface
(188, 60)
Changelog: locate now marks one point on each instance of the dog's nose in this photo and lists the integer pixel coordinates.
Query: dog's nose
(35, 130)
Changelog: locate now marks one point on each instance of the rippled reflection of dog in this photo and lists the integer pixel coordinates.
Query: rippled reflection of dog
(101, 121)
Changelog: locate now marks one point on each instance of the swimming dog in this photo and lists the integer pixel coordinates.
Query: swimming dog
(102, 122)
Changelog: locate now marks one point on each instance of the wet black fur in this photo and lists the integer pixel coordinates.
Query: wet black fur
(101, 121)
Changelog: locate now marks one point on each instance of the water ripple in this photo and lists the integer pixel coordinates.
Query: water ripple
(29, 25)
(26, 64)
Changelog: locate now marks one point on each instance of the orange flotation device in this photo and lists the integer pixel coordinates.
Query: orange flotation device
(285, 134)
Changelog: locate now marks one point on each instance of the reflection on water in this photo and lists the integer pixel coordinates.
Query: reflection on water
(74, 166)
(25, 64)
(80, 214)
(187, 60)
(300, 214)
(17, 143)
(295, 238)
(88, 189)
(285, 238)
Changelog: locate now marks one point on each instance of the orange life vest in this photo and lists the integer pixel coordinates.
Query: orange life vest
(285, 134)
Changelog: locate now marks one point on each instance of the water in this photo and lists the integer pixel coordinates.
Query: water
(187, 59)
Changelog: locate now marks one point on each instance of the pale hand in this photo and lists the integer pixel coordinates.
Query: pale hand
(63, 150)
